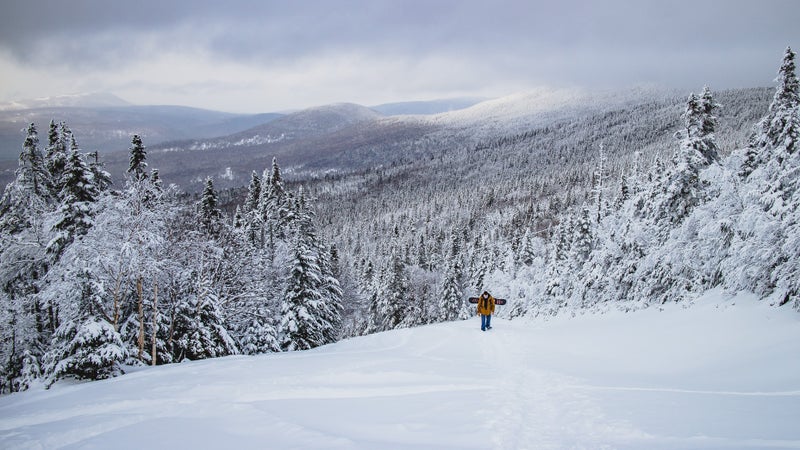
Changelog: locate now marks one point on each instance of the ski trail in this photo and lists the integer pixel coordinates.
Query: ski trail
(530, 408)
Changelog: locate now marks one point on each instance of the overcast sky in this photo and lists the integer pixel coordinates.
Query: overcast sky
(264, 55)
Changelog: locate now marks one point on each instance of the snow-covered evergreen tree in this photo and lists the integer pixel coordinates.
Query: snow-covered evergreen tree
(78, 194)
(137, 168)
(302, 325)
(764, 245)
(85, 346)
(275, 203)
(199, 332)
(26, 198)
(698, 149)
(56, 155)
(253, 220)
(209, 215)
(397, 303)
(260, 334)
(452, 305)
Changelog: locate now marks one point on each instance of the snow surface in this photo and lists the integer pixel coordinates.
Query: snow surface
(723, 373)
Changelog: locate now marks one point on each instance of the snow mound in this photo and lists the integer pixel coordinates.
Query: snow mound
(723, 373)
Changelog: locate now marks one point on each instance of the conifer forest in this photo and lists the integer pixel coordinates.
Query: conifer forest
(623, 205)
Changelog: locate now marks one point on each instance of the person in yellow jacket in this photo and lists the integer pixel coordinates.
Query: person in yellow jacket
(485, 310)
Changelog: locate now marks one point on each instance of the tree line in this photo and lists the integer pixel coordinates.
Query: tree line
(96, 278)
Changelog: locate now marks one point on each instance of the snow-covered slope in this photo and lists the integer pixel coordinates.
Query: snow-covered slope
(426, 107)
(524, 110)
(721, 374)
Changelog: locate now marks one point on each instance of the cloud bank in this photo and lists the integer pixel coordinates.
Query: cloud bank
(256, 56)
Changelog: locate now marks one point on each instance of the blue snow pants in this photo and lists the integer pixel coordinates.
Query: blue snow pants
(486, 322)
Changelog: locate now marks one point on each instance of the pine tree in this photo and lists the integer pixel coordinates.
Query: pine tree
(623, 194)
(583, 238)
(376, 302)
(210, 216)
(78, 193)
(253, 194)
(86, 346)
(765, 241)
(138, 159)
(275, 204)
(101, 178)
(682, 186)
(260, 334)
(56, 156)
(330, 308)
(31, 163)
(527, 253)
(397, 294)
(598, 186)
(452, 298)
(781, 121)
(199, 330)
(27, 197)
(332, 297)
(708, 126)
(302, 326)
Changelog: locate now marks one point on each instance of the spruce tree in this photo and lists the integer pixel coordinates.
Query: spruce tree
(199, 330)
(209, 215)
(86, 346)
(56, 156)
(138, 159)
(452, 299)
(101, 178)
(330, 308)
(260, 335)
(766, 240)
(32, 165)
(253, 194)
(681, 189)
(775, 130)
(302, 326)
(27, 197)
(397, 294)
(275, 204)
(78, 193)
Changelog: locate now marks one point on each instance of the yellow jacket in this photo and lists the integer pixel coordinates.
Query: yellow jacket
(486, 306)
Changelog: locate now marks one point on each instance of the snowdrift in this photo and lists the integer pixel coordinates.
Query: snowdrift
(723, 373)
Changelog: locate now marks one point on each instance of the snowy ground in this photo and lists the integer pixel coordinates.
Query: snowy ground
(716, 375)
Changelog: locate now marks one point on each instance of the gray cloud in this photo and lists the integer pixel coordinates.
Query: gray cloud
(725, 43)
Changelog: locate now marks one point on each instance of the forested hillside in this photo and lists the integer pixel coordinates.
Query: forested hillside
(621, 202)
(504, 213)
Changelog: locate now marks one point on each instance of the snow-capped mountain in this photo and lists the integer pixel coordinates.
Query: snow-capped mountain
(427, 107)
(342, 137)
(345, 137)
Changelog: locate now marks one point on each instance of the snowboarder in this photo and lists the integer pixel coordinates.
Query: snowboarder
(485, 310)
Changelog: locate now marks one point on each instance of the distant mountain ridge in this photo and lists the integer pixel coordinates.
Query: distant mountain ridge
(105, 122)
(89, 100)
(109, 128)
(188, 145)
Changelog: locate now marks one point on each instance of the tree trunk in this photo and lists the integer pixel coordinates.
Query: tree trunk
(117, 288)
(155, 323)
(141, 317)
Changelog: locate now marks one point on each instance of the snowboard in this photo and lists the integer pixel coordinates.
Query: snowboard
(497, 301)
